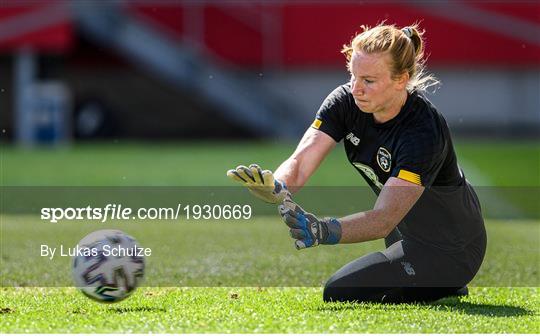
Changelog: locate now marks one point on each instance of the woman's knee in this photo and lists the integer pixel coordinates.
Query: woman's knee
(335, 293)
(331, 292)
(360, 280)
(338, 290)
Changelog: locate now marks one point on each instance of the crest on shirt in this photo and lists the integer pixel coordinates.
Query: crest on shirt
(384, 159)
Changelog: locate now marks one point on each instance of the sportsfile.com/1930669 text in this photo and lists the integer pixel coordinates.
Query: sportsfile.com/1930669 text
(120, 212)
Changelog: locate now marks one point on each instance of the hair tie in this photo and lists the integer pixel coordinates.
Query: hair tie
(408, 32)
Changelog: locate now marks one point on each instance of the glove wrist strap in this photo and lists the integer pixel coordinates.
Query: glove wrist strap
(333, 231)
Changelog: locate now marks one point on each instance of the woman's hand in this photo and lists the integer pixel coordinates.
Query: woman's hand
(260, 183)
(306, 228)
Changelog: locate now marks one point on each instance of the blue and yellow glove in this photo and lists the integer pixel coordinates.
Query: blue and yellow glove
(306, 228)
(260, 183)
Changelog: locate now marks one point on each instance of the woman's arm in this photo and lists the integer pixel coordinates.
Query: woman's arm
(394, 202)
(397, 197)
(310, 152)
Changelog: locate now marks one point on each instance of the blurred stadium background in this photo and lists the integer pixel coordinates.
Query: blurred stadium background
(146, 70)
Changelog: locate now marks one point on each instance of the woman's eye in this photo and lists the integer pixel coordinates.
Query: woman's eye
(367, 81)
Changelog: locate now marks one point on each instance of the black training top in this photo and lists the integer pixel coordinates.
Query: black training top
(414, 146)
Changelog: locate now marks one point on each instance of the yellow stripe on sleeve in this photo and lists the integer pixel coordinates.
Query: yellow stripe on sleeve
(408, 176)
(316, 123)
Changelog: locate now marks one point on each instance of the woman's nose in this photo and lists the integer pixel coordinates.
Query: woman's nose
(357, 89)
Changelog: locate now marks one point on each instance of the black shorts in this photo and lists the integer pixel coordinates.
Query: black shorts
(406, 271)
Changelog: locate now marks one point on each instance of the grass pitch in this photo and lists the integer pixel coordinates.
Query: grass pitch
(204, 164)
(234, 302)
(252, 310)
(243, 253)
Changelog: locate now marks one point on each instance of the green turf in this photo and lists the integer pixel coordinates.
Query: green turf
(256, 252)
(248, 253)
(511, 167)
(188, 164)
(502, 163)
(264, 310)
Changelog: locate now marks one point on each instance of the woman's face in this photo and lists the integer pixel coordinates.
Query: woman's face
(372, 86)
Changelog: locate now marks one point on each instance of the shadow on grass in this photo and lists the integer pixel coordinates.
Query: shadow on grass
(453, 305)
(145, 309)
(489, 310)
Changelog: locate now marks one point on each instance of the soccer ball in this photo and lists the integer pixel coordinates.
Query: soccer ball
(107, 266)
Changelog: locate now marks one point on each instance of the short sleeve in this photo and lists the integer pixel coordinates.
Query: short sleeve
(331, 116)
(419, 157)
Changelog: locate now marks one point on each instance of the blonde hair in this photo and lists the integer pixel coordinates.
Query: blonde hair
(405, 47)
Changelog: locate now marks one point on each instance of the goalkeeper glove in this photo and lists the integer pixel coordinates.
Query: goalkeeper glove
(306, 228)
(260, 183)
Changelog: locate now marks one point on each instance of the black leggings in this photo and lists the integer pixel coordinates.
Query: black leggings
(406, 271)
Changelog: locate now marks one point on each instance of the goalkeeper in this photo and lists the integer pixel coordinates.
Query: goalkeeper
(395, 138)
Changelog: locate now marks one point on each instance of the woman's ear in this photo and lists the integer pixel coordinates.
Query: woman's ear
(402, 80)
